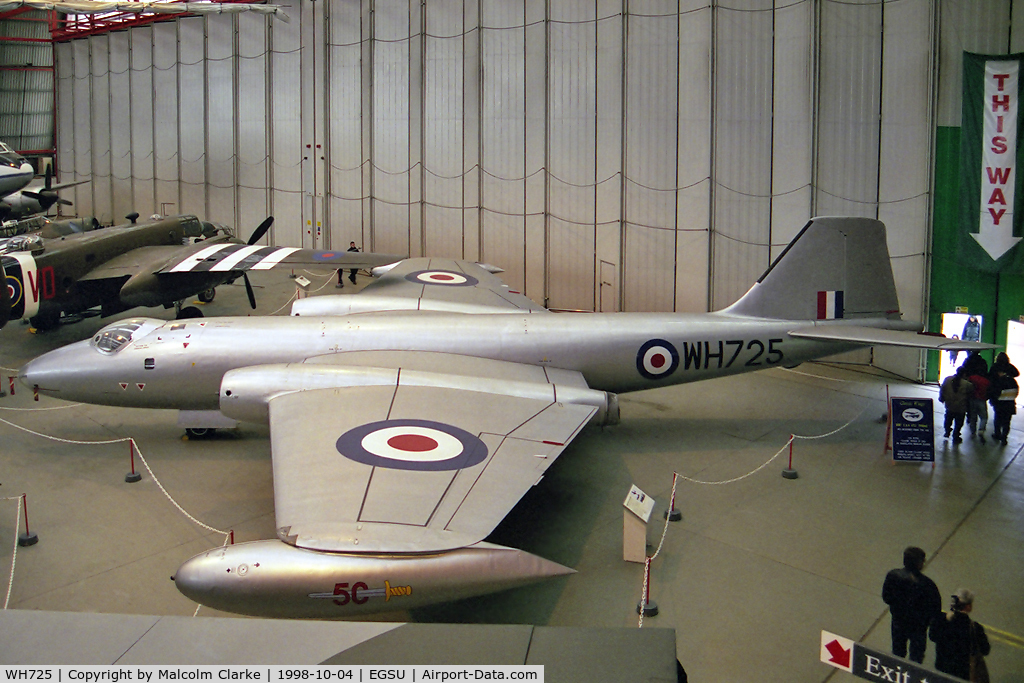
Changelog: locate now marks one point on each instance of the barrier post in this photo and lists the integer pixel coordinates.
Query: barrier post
(789, 472)
(132, 476)
(28, 538)
(672, 514)
(647, 608)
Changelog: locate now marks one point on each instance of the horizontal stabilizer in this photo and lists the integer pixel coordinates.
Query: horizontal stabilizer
(883, 337)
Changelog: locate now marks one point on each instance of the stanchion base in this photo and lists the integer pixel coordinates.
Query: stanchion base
(132, 477)
(673, 515)
(789, 474)
(648, 610)
(25, 540)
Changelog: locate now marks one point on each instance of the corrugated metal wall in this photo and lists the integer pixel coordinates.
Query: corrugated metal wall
(613, 155)
(26, 83)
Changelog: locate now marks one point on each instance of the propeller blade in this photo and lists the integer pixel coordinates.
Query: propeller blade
(48, 183)
(258, 234)
(64, 202)
(249, 292)
(38, 196)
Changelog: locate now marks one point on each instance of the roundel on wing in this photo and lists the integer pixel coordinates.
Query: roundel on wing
(449, 278)
(410, 444)
(656, 359)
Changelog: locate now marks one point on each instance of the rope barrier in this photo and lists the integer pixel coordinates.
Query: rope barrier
(14, 554)
(644, 597)
(777, 454)
(134, 444)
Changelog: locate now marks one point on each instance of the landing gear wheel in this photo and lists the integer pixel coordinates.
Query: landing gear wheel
(189, 312)
(45, 321)
(207, 296)
(199, 433)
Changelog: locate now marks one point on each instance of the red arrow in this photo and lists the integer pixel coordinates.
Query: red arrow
(840, 655)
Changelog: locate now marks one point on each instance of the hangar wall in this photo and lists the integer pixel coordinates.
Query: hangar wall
(610, 155)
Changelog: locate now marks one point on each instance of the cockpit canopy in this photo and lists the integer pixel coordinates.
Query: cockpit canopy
(22, 243)
(9, 157)
(115, 336)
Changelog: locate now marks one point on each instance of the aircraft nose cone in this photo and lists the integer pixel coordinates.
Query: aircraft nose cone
(52, 371)
(196, 577)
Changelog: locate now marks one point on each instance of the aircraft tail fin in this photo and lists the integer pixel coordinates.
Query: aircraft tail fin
(835, 268)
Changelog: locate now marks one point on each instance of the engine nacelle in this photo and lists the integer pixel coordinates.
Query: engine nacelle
(274, 579)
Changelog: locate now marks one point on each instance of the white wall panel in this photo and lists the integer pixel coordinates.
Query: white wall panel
(503, 145)
(652, 60)
(344, 149)
(165, 117)
(693, 199)
(792, 124)
(65, 133)
(536, 153)
(967, 27)
(572, 165)
(193, 143)
(120, 127)
(848, 106)
(444, 107)
(744, 57)
(391, 162)
(220, 120)
(142, 121)
(905, 162)
(100, 131)
(286, 134)
(252, 160)
(608, 154)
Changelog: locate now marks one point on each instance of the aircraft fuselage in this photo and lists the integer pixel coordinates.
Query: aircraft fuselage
(181, 364)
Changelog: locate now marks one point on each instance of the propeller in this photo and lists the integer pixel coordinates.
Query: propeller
(259, 232)
(256, 236)
(47, 197)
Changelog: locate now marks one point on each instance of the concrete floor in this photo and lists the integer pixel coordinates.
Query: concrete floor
(748, 579)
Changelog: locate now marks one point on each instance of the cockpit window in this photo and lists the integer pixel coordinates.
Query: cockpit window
(112, 337)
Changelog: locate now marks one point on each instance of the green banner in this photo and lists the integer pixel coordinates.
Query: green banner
(990, 173)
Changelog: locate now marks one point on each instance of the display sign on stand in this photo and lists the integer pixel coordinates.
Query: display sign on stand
(638, 506)
(913, 429)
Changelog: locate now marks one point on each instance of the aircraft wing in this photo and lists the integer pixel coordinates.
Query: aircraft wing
(448, 283)
(132, 262)
(876, 336)
(229, 256)
(428, 454)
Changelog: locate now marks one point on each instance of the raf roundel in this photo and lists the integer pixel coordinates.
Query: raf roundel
(656, 359)
(13, 289)
(448, 278)
(422, 445)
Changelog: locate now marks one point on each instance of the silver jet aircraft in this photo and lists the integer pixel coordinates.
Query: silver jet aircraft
(407, 420)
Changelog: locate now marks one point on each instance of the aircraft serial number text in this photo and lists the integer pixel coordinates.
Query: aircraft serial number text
(723, 353)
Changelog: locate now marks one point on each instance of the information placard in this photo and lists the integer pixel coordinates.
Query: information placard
(913, 429)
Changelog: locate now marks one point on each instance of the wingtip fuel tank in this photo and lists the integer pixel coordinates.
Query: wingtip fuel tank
(275, 579)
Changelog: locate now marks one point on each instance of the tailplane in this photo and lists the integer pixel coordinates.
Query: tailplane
(835, 268)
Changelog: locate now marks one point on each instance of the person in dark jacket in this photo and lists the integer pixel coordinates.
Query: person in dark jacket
(914, 602)
(956, 637)
(1002, 394)
(955, 392)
